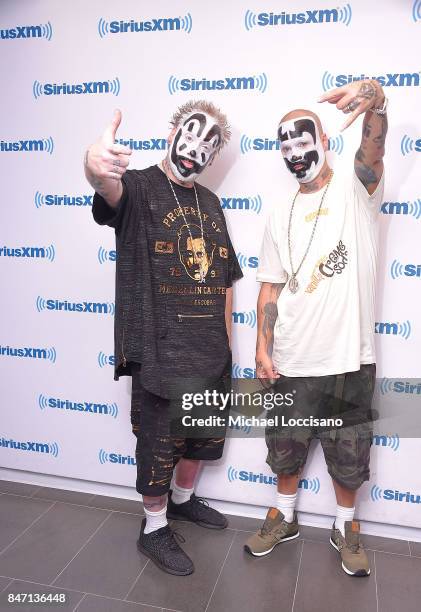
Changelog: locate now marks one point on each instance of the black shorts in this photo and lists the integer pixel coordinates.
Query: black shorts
(157, 450)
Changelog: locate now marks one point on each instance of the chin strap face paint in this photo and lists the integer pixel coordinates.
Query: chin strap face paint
(194, 146)
(302, 148)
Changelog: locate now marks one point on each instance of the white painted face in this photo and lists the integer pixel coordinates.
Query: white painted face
(194, 146)
(302, 148)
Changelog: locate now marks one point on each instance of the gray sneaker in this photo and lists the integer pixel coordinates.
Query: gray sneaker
(274, 530)
(353, 556)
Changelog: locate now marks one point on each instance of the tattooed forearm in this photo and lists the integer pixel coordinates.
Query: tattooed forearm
(369, 156)
(267, 313)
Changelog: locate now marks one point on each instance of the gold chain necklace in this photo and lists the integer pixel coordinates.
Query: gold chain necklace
(199, 214)
(293, 283)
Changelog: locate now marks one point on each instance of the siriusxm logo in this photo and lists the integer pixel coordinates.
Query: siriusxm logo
(392, 442)
(152, 144)
(42, 145)
(377, 494)
(29, 352)
(335, 15)
(239, 372)
(245, 318)
(47, 448)
(416, 10)
(409, 145)
(402, 208)
(257, 82)
(253, 203)
(397, 270)
(105, 360)
(33, 252)
(104, 255)
(153, 25)
(397, 79)
(389, 385)
(308, 484)
(57, 403)
(54, 199)
(394, 329)
(118, 458)
(247, 144)
(43, 30)
(66, 306)
(247, 262)
(87, 87)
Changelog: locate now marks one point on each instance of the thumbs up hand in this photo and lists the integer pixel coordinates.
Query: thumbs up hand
(105, 159)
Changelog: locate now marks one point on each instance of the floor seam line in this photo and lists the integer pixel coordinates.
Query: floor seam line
(27, 528)
(137, 578)
(221, 570)
(298, 575)
(81, 548)
(79, 602)
(375, 582)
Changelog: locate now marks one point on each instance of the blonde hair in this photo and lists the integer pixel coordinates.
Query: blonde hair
(205, 107)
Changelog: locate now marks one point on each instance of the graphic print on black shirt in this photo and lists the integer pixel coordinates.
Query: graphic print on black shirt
(170, 282)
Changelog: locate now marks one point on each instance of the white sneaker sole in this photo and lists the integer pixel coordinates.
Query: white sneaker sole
(346, 570)
(267, 552)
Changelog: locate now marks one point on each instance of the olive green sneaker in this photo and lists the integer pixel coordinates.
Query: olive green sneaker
(274, 530)
(354, 558)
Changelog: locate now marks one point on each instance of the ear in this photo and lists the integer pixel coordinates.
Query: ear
(212, 158)
(325, 141)
(171, 135)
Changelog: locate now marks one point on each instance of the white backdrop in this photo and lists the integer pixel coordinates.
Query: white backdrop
(61, 411)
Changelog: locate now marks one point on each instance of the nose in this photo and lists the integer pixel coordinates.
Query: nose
(192, 153)
(295, 157)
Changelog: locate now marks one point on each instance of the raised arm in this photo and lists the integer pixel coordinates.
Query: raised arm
(366, 97)
(267, 313)
(105, 163)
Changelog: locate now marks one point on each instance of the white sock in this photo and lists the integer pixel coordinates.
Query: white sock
(343, 514)
(155, 520)
(180, 495)
(286, 505)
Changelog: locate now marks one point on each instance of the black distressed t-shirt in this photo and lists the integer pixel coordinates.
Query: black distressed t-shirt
(170, 283)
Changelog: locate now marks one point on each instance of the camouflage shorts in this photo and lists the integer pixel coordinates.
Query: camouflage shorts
(346, 448)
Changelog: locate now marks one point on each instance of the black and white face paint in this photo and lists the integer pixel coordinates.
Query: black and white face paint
(302, 148)
(194, 146)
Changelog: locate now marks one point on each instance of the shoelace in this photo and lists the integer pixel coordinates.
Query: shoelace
(170, 538)
(198, 503)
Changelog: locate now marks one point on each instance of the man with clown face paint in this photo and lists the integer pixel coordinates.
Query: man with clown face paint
(193, 146)
(316, 322)
(175, 270)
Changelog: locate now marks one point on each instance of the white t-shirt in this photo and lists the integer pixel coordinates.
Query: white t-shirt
(327, 326)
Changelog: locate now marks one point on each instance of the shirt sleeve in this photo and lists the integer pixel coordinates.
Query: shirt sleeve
(373, 201)
(234, 269)
(104, 214)
(270, 269)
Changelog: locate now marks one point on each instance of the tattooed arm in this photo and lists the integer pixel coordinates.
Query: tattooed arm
(354, 99)
(267, 313)
(368, 161)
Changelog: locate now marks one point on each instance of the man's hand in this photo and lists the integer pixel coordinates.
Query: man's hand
(355, 98)
(106, 162)
(265, 371)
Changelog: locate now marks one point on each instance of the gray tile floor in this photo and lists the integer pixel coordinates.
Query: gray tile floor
(54, 541)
